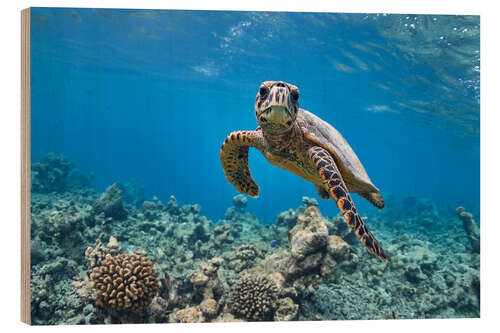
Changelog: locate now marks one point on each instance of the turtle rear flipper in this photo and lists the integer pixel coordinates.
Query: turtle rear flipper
(374, 198)
(335, 185)
(234, 158)
(323, 194)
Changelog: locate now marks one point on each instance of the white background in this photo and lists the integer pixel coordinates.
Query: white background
(490, 168)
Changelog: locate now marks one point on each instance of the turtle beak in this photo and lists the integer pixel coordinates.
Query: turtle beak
(277, 114)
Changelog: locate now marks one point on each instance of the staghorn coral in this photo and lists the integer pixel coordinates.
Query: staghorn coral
(125, 282)
(253, 298)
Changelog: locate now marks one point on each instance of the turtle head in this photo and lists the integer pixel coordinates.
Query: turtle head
(276, 106)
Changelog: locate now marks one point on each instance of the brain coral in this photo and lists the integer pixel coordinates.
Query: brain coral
(253, 298)
(125, 282)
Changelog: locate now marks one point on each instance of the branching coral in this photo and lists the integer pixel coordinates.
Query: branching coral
(254, 297)
(125, 282)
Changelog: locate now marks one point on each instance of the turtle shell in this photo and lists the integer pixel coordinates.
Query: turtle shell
(320, 133)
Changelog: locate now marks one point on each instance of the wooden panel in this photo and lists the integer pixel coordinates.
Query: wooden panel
(25, 166)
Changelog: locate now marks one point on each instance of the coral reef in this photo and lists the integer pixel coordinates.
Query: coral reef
(471, 228)
(125, 281)
(253, 298)
(111, 203)
(416, 283)
(94, 255)
(206, 282)
(304, 266)
(309, 235)
(286, 309)
(149, 210)
(240, 202)
(51, 292)
(132, 193)
(189, 315)
(309, 201)
(287, 218)
(78, 179)
(208, 291)
(244, 257)
(313, 255)
(51, 174)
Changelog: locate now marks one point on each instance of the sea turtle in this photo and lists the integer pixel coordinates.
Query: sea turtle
(296, 140)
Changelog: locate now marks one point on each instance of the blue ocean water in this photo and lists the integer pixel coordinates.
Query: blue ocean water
(150, 96)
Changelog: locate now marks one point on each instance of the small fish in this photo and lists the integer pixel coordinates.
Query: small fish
(274, 243)
(128, 207)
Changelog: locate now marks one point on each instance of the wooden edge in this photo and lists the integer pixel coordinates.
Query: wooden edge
(25, 166)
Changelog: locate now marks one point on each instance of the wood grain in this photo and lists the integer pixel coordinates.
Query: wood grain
(25, 166)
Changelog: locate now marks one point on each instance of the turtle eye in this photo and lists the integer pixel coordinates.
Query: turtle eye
(263, 91)
(295, 95)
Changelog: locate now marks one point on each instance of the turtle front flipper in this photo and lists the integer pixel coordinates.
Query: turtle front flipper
(333, 182)
(234, 158)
